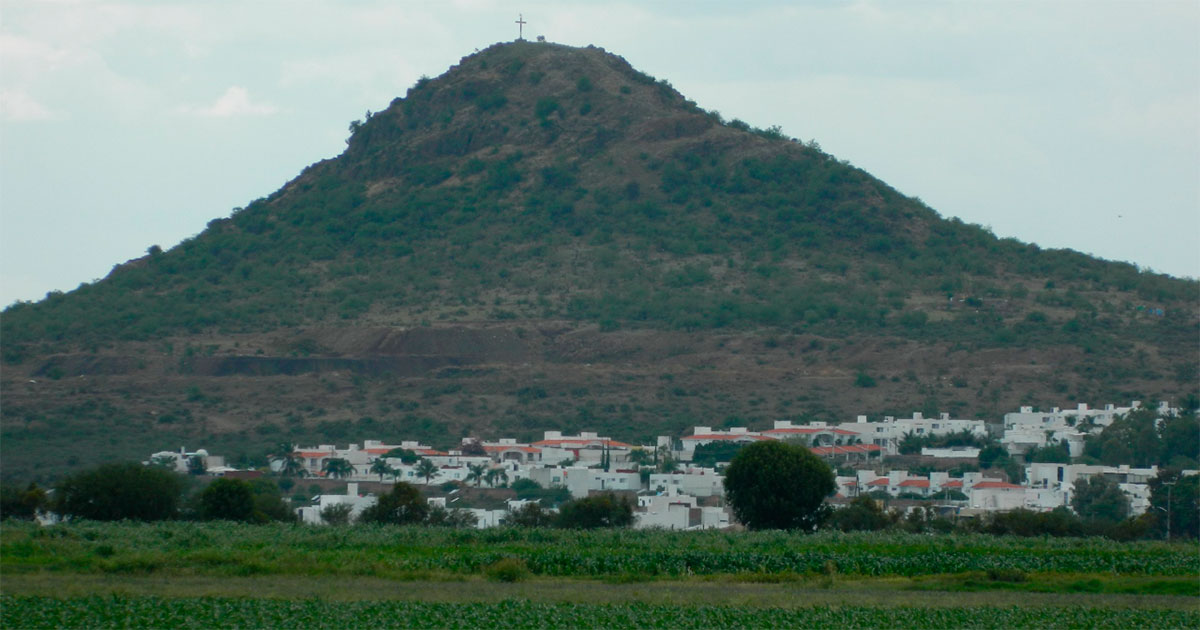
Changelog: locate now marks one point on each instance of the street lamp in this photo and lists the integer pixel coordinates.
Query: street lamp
(1170, 486)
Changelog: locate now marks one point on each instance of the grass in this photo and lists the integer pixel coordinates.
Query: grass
(228, 549)
(185, 575)
(691, 592)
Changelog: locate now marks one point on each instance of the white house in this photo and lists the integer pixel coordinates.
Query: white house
(814, 433)
(312, 514)
(586, 447)
(672, 510)
(180, 461)
(996, 495)
(1028, 428)
(697, 482)
(888, 433)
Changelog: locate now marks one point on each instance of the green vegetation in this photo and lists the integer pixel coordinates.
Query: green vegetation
(431, 207)
(1099, 498)
(777, 485)
(214, 612)
(134, 575)
(120, 491)
(21, 503)
(713, 453)
(1142, 438)
(228, 499)
(231, 549)
(601, 510)
(404, 505)
(544, 186)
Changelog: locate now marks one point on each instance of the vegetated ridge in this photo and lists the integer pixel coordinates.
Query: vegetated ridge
(546, 238)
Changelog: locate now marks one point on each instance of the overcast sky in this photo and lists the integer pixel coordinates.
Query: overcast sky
(1068, 124)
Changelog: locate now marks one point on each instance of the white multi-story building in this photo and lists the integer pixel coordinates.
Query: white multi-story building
(1028, 429)
(697, 482)
(1056, 482)
(890, 431)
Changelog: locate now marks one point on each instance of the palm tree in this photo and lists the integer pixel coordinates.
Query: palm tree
(290, 465)
(477, 472)
(380, 467)
(495, 474)
(427, 469)
(338, 467)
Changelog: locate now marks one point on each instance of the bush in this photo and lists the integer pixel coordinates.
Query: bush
(120, 491)
(862, 379)
(337, 514)
(21, 504)
(1022, 522)
(530, 515)
(404, 505)
(863, 513)
(601, 510)
(269, 504)
(507, 570)
(441, 517)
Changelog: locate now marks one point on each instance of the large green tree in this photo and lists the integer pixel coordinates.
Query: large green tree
(776, 485)
(709, 455)
(120, 491)
(227, 499)
(1175, 498)
(1100, 499)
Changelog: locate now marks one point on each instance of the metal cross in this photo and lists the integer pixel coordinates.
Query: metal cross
(521, 26)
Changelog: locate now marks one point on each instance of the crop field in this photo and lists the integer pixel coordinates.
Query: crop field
(183, 574)
(202, 613)
(387, 551)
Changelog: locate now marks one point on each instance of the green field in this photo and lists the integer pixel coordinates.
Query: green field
(113, 612)
(182, 574)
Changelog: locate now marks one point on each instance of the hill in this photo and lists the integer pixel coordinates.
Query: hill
(546, 238)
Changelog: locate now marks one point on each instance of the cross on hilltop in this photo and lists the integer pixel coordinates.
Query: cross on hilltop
(521, 26)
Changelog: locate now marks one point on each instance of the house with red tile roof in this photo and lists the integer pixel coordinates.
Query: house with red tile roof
(814, 434)
(587, 447)
(996, 495)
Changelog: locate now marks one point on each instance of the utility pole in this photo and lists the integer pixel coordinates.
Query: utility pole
(1170, 486)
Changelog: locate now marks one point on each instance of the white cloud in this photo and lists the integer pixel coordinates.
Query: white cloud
(234, 102)
(18, 106)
